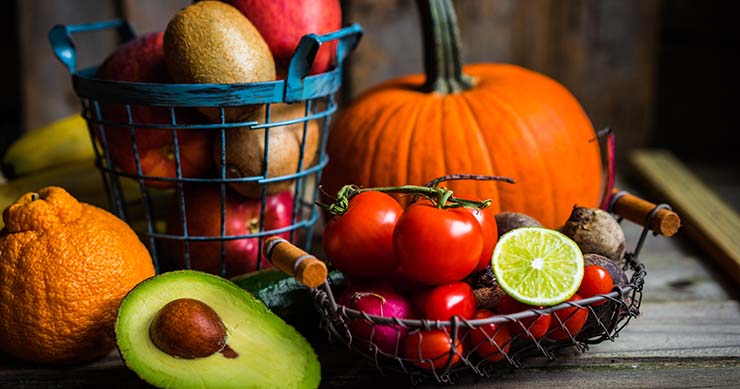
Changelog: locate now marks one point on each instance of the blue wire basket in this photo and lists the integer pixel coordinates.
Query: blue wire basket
(138, 199)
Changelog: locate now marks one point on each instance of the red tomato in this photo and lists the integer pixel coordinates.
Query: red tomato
(596, 280)
(437, 246)
(537, 326)
(487, 220)
(445, 301)
(432, 349)
(488, 336)
(573, 319)
(360, 242)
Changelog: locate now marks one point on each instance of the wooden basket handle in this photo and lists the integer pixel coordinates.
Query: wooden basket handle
(304, 267)
(664, 222)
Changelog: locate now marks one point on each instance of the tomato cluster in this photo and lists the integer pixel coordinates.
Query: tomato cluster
(374, 236)
(419, 257)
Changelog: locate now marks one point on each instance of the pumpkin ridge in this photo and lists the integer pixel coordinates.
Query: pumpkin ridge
(516, 172)
(556, 114)
(441, 133)
(573, 131)
(564, 191)
(336, 146)
(428, 104)
(419, 108)
(576, 141)
(528, 132)
(390, 110)
(489, 162)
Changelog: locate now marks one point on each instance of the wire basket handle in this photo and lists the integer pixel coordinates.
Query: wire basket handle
(60, 37)
(304, 267)
(660, 219)
(305, 54)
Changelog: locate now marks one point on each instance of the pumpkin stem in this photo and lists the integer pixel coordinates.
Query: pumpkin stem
(442, 58)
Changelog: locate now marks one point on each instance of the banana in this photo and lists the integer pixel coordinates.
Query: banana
(82, 179)
(61, 142)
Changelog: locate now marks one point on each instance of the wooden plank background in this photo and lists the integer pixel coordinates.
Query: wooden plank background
(603, 51)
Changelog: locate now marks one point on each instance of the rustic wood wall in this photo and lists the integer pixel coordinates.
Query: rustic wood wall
(603, 51)
(46, 87)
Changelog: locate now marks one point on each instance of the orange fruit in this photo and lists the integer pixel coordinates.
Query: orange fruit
(64, 268)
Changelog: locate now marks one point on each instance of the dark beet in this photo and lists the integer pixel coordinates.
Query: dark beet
(507, 221)
(595, 231)
(618, 276)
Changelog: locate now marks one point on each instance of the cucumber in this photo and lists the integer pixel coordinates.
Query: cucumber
(286, 297)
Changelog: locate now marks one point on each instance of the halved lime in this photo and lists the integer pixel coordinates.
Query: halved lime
(537, 266)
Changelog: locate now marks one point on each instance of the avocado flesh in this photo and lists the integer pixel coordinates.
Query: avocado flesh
(270, 352)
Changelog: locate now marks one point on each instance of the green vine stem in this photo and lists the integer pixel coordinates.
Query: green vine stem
(442, 57)
(442, 197)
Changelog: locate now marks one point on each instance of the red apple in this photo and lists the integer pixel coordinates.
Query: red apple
(142, 60)
(203, 215)
(282, 23)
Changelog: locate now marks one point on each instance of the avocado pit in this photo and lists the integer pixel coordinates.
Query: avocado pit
(188, 328)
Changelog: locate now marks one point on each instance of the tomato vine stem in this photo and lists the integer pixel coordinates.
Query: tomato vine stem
(440, 196)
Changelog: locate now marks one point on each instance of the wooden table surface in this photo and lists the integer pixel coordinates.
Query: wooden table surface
(687, 336)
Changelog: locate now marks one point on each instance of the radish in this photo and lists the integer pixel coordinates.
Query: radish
(381, 302)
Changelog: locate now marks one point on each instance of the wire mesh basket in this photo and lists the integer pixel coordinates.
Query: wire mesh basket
(159, 197)
(481, 345)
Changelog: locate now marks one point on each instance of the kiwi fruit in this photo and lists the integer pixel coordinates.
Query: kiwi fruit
(211, 42)
(245, 150)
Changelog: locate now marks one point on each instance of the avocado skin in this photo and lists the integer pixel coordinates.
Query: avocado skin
(286, 297)
(262, 340)
(211, 42)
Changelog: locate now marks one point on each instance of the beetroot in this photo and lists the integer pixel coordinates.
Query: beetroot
(381, 302)
(507, 221)
(597, 232)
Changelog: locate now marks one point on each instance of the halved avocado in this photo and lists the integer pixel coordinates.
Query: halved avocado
(261, 350)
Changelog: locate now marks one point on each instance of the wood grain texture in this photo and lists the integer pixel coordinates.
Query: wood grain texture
(46, 86)
(712, 223)
(149, 16)
(672, 345)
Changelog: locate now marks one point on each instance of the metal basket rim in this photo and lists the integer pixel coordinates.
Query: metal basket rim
(87, 86)
(495, 319)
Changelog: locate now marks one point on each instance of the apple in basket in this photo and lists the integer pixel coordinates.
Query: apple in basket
(142, 60)
(203, 219)
(296, 19)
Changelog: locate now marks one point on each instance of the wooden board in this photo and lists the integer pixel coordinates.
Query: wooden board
(710, 221)
(671, 345)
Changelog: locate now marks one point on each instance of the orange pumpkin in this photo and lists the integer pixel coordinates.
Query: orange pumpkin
(488, 119)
